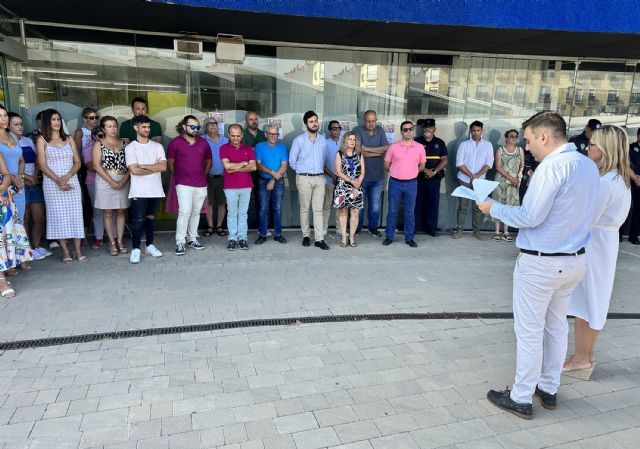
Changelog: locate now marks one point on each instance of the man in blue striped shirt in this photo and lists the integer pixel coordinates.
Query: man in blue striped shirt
(554, 221)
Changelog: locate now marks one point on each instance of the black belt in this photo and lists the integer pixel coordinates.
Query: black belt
(402, 180)
(310, 174)
(214, 176)
(538, 253)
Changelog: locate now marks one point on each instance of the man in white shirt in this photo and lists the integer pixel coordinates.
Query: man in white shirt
(145, 160)
(473, 160)
(554, 222)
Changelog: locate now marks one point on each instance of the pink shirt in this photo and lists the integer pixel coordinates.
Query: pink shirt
(189, 161)
(237, 180)
(405, 159)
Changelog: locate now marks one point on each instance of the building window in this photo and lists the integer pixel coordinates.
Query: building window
(481, 92)
(569, 96)
(501, 93)
(579, 96)
(613, 97)
(372, 73)
(434, 76)
(545, 94)
(518, 95)
(591, 98)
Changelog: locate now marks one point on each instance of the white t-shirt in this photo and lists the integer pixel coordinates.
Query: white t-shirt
(148, 186)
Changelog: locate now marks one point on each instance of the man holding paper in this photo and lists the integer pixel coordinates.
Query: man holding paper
(473, 160)
(554, 222)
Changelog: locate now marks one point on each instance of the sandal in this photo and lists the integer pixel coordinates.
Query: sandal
(209, 232)
(11, 272)
(497, 237)
(66, 258)
(343, 244)
(220, 231)
(354, 244)
(121, 248)
(507, 238)
(7, 292)
(82, 258)
(113, 249)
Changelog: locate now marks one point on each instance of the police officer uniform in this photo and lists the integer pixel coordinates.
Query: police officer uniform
(581, 141)
(634, 217)
(428, 194)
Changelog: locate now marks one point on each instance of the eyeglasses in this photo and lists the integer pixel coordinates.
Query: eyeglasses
(194, 127)
(513, 136)
(272, 134)
(406, 130)
(92, 117)
(335, 128)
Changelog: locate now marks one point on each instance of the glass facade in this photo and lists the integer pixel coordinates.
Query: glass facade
(284, 82)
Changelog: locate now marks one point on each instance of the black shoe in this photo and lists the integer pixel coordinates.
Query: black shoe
(306, 241)
(411, 243)
(433, 234)
(243, 244)
(502, 399)
(194, 244)
(321, 244)
(387, 241)
(260, 240)
(375, 232)
(548, 400)
(634, 241)
(232, 245)
(279, 238)
(180, 250)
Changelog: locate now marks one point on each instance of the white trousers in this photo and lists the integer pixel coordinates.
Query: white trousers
(542, 287)
(190, 201)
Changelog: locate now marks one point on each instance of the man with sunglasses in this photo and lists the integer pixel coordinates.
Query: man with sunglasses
(215, 181)
(403, 160)
(332, 146)
(189, 157)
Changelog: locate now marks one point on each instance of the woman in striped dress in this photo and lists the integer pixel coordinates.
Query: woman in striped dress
(59, 160)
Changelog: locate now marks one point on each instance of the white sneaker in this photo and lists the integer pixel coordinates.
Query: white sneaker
(43, 251)
(152, 251)
(54, 245)
(37, 255)
(135, 256)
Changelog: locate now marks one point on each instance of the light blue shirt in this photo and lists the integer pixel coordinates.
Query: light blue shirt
(271, 157)
(474, 157)
(307, 156)
(330, 158)
(216, 164)
(559, 207)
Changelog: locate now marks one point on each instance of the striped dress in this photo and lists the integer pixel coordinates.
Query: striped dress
(64, 209)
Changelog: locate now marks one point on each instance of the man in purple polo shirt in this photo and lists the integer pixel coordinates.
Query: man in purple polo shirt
(189, 158)
(239, 160)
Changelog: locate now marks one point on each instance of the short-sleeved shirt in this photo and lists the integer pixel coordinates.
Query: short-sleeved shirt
(634, 157)
(330, 158)
(375, 164)
(435, 150)
(189, 161)
(237, 180)
(271, 157)
(405, 159)
(252, 140)
(127, 131)
(147, 186)
(29, 155)
(216, 164)
(474, 156)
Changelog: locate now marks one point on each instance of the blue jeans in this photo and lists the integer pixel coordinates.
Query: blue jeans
(372, 191)
(405, 191)
(237, 212)
(275, 196)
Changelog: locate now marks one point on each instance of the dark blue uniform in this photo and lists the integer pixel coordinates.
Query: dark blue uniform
(634, 215)
(581, 142)
(428, 195)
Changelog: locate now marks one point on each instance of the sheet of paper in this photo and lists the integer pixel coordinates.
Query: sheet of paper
(464, 192)
(481, 190)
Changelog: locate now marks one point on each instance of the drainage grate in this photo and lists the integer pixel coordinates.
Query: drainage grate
(87, 338)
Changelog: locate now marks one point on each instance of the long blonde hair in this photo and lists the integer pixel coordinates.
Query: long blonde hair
(343, 144)
(614, 144)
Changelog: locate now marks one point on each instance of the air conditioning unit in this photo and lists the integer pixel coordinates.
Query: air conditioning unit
(230, 48)
(188, 49)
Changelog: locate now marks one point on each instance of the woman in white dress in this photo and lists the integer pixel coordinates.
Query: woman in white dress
(609, 149)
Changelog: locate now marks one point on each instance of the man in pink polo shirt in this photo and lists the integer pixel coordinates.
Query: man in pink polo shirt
(404, 160)
(189, 158)
(239, 160)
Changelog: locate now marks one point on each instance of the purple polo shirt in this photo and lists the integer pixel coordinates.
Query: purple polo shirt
(237, 180)
(189, 161)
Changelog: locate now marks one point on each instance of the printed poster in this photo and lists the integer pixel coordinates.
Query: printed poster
(219, 116)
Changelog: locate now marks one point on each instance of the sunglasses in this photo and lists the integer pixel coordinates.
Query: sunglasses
(513, 136)
(92, 117)
(194, 127)
(406, 130)
(335, 129)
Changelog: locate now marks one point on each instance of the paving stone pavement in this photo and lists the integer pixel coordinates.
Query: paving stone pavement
(356, 385)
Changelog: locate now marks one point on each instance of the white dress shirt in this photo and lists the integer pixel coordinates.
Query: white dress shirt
(559, 207)
(474, 157)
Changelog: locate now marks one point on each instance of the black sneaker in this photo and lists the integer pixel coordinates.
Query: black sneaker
(502, 399)
(243, 244)
(321, 244)
(194, 244)
(411, 243)
(375, 232)
(306, 241)
(548, 400)
(387, 241)
(634, 241)
(260, 240)
(279, 238)
(180, 250)
(433, 234)
(232, 245)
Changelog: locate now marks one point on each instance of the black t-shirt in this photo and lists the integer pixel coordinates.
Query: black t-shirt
(435, 150)
(634, 157)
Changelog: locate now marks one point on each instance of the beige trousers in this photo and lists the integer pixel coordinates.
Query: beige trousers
(311, 193)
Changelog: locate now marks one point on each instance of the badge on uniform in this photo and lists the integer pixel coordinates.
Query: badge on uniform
(437, 146)
(636, 149)
(582, 146)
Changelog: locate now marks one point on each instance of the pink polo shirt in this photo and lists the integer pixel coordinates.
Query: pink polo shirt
(239, 179)
(405, 159)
